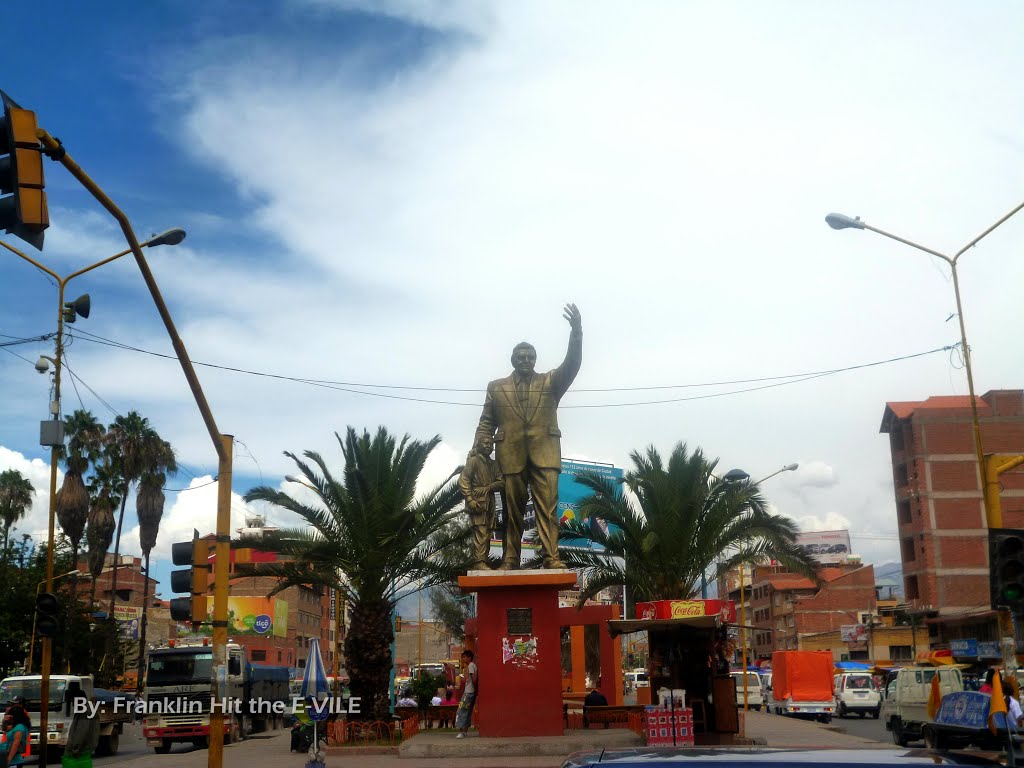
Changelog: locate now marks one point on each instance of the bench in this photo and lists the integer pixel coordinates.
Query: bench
(443, 715)
(612, 713)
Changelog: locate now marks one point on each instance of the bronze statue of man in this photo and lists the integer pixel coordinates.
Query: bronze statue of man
(521, 413)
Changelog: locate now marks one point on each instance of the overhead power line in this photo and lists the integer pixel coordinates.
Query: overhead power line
(361, 388)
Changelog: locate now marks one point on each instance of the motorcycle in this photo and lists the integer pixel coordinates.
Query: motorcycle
(302, 737)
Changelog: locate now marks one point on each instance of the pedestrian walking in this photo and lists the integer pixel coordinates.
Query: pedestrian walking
(15, 745)
(83, 735)
(465, 712)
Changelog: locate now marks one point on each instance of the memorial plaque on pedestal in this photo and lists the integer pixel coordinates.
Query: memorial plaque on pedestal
(520, 621)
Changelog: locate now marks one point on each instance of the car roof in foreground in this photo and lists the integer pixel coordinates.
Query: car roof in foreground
(750, 756)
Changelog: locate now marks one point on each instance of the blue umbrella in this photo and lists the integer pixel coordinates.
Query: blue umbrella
(314, 685)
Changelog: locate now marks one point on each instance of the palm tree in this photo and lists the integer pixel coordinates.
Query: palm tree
(16, 492)
(133, 442)
(85, 442)
(679, 520)
(370, 537)
(149, 505)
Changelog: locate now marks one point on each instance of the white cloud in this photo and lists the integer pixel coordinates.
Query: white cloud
(828, 521)
(410, 217)
(815, 474)
(189, 510)
(36, 471)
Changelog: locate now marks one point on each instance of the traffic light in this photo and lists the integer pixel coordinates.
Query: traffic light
(1006, 564)
(194, 580)
(47, 623)
(398, 622)
(23, 210)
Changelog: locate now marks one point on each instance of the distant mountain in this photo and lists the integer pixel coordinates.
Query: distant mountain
(889, 576)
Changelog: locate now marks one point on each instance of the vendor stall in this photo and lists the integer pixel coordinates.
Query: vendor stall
(687, 660)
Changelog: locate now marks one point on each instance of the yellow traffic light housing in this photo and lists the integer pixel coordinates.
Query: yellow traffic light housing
(23, 208)
(194, 581)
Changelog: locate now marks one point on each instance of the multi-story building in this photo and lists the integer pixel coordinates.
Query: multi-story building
(940, 511)
(130, 581)
(939, 508)
(786, 606)
(309, 609)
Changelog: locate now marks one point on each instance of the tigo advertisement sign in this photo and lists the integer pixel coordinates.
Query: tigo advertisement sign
(253, 616)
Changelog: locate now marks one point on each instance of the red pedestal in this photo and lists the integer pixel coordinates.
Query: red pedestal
(520, 672)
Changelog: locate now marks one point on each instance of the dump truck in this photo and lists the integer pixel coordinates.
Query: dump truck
(180, 688)
(114, 710)
(802, 685)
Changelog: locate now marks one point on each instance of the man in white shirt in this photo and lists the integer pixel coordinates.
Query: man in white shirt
(465, 713)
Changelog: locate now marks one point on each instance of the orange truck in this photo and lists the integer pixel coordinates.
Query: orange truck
(802, 685)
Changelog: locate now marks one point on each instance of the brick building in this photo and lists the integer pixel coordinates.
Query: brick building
(786, 606)
(939, 508)
(130, 580)
(308, 612)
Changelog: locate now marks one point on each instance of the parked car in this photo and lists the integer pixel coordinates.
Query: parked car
(856, 692)
(755, 694)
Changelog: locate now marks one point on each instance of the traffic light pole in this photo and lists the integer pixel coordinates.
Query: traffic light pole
(222, 443)
(220, 600)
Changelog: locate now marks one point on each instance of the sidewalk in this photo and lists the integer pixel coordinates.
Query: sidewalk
(271, 751)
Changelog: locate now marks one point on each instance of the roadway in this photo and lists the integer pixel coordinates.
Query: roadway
(133, 749)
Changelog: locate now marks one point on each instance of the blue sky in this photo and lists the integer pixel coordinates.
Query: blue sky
(396, 193)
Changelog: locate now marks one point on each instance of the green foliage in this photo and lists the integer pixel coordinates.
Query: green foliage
(677, 521)
(451, 608)
(424, 688)
(369, 536)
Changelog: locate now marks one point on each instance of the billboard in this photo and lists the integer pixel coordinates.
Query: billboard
(128, 619)
(572, 493)
(252, 616)
(827, 547)
(855, 634)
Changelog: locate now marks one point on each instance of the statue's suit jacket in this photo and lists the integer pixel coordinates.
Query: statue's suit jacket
(530, 435)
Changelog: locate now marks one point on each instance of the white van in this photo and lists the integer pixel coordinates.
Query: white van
(638, 679)
(755, 694)
(856, 692)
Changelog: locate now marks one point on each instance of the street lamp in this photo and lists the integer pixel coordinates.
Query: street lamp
(993, 516)
(739, 476)
(52, 431)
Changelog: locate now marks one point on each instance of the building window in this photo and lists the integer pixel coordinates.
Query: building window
(900, 653)
(278, 655)
(903, 512)
(258, 656)
(913, 591)
(907, 549)
(302, 664)
(901, 476)
(858, 655)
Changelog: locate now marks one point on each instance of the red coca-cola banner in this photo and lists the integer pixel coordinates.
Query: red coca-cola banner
(680, 609)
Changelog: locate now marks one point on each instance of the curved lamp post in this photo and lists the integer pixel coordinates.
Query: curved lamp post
(53, 430)
(993, 516)
(739, 476)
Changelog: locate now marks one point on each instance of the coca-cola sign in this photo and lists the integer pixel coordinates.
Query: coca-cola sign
(686, 609)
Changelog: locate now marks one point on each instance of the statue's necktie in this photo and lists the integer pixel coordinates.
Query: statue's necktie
(523, 392)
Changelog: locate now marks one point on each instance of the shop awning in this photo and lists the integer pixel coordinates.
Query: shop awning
(625, 626)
